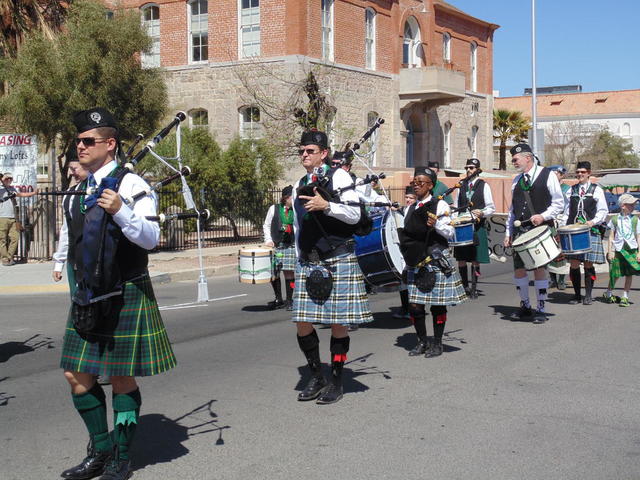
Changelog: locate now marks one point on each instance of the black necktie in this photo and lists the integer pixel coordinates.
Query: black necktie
(527, 180)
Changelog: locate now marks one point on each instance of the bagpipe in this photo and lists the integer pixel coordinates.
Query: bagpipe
(167, 217)
(9, 196)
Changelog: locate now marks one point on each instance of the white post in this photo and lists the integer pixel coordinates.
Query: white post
(534, 97)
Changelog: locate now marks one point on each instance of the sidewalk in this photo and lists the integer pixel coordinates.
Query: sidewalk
(164, 267)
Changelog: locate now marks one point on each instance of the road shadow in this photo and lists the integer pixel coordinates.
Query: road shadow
(160, 439)
(4, 396)
(31, 344)
(409, 340)
(509, 314)
(385, 321)
(257, 308)
(562, 296)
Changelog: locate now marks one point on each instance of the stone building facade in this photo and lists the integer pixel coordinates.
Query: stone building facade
(423, 66)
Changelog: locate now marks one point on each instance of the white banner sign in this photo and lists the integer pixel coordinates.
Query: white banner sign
(19, 155)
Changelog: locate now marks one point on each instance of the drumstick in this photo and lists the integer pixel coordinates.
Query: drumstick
(523, 223)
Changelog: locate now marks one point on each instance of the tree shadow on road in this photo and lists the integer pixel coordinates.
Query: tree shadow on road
(4, 396)
(9, 349)
(159, 439)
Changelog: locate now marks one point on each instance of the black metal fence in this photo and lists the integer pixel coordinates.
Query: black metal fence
(233, 222)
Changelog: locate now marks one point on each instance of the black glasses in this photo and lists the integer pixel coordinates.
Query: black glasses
(87, 141)
(309, 151)
(469, 168)
(581, 172)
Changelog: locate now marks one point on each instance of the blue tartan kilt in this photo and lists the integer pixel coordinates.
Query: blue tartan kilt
(134, 343)
(596, 255)
(285, 258)
(447, 291)
(348, 302)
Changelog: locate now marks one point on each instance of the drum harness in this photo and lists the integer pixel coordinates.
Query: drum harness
(581, 216)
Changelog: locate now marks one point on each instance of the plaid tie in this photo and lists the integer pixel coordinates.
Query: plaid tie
(527, 180)
(582, 191)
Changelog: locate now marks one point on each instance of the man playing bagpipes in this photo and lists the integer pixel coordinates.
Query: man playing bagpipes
(329, 283)
(431, 276)
(114, 326)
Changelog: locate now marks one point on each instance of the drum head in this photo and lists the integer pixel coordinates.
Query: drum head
(256, 252)
(574, 228)
(531, 234)
(392, 242)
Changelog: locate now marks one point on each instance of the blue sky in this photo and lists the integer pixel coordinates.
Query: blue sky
(591, 43)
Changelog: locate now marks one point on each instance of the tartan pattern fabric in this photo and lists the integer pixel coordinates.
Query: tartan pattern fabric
(624, 264)
(596, 255)
(285, 258)
(446, 291)
(348, 302)
(135, 345)
(479, 252)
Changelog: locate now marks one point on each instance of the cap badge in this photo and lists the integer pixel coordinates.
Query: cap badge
(96, 117)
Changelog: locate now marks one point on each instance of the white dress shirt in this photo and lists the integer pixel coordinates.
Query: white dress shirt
(443, 223)
(135, 227)
(489, 207)
(602, 210)
(622, 232)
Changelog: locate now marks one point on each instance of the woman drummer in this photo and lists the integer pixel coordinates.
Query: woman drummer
(424, 245)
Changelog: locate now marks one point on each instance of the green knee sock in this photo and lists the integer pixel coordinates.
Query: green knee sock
(92, 407)
(126, 409)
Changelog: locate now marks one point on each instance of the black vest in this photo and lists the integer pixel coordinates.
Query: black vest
(540, 197)
(131, 259)
(278, 235)
(318, 230)
(416, 237)
(477, 199)
(589, 203)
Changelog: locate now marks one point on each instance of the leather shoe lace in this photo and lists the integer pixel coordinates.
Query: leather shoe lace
(92, 466)
(330, 394)
(117, 470)
(313, 388)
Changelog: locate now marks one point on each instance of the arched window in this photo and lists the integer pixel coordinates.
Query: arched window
(151, 24)
(370, 38)
(411, 47)
(474, 66)
(198, 118)
(473, 141)
(249, 28)
(626, 129)
(327, 30)
(250, 126)
(446, 144)
(446, 47)
(373, 157)
(198, 31)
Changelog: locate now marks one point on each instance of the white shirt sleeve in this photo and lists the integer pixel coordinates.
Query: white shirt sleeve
(557, 198)
(135, 227)
(266, 226)
(443, 224)
(508, 230)
(602, 210)
(489, 207)
(345, 213)
(60, 255)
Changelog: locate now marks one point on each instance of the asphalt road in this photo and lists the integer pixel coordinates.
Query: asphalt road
(507, 400)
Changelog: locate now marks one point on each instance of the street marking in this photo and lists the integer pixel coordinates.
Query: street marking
(199, 304)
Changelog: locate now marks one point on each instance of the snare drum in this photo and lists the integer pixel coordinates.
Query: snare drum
(378, 253)
(536, 247)
(255, 265)
(463, 234)
(575, 239)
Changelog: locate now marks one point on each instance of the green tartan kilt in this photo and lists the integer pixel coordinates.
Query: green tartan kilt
(624, 264)
(135, 344)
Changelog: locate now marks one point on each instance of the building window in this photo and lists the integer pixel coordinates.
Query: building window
(475, 108)
(446, 47)
(151, 24)
(411, 44)
(199, 118)
(626, 129)
(198, 31)
(370, 38)
(373, 155)
(327, 30)
(250, 28)
(250, 126)
(446, 143)
(474, 66)
(473, 142)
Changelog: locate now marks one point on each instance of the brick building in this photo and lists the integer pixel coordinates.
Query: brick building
(424, 66)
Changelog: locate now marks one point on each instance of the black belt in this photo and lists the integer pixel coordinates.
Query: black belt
(316, 255)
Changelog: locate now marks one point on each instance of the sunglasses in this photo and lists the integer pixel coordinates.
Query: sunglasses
(469, 168)
(581, 172)
(309, 151)
(87, 141)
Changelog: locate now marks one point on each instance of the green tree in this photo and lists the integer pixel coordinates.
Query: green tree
(509, 125)
(611, 151)
(94, 61)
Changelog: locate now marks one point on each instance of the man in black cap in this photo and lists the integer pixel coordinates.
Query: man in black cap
(329, 284)
(431, 276)
(536, 200)
(439, 188)
(474, 197)
(278, 233)
(114, 326)
(586, 204)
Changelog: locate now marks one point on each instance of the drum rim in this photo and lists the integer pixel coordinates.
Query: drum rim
(524, 238)
(573, 228)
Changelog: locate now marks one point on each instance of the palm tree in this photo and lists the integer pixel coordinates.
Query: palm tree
(509, 125)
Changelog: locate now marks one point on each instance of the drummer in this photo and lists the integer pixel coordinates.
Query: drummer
(476, 197)
(558, 268)
(409, 199)
(536, 200)
(586, 204)
(278, 233)
(424, 246)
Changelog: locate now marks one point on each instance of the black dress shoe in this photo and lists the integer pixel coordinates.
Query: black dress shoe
(92, 466)
(288, 306)
(420, 348)
(435, 350)
(539, 317)
(331, 394)
(275, 305)
(117, 471)
(575, 301)
(523, 312)
(313, 388)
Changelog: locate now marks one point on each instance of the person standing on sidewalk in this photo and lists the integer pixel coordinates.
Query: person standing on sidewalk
(10, 226)
(278, 233)
(329, 283)
(114, 326)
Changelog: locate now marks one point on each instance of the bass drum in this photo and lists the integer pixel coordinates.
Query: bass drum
(379, 252)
